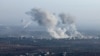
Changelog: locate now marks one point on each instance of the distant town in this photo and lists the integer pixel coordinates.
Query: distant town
(16, 41)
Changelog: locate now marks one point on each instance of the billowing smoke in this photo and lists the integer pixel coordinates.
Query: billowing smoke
(49, 21)
(67, 19)
(69, 23)
(57, 28)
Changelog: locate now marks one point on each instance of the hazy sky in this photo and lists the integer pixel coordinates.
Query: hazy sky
(86, 12)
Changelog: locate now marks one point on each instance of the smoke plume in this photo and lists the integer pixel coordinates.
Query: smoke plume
(69, 24)
(65, 29)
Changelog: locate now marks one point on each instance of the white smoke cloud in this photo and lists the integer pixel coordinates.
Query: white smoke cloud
(49, 21)
(69, 24)
(58, 28)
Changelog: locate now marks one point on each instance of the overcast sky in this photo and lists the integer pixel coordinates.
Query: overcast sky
(86, 12)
